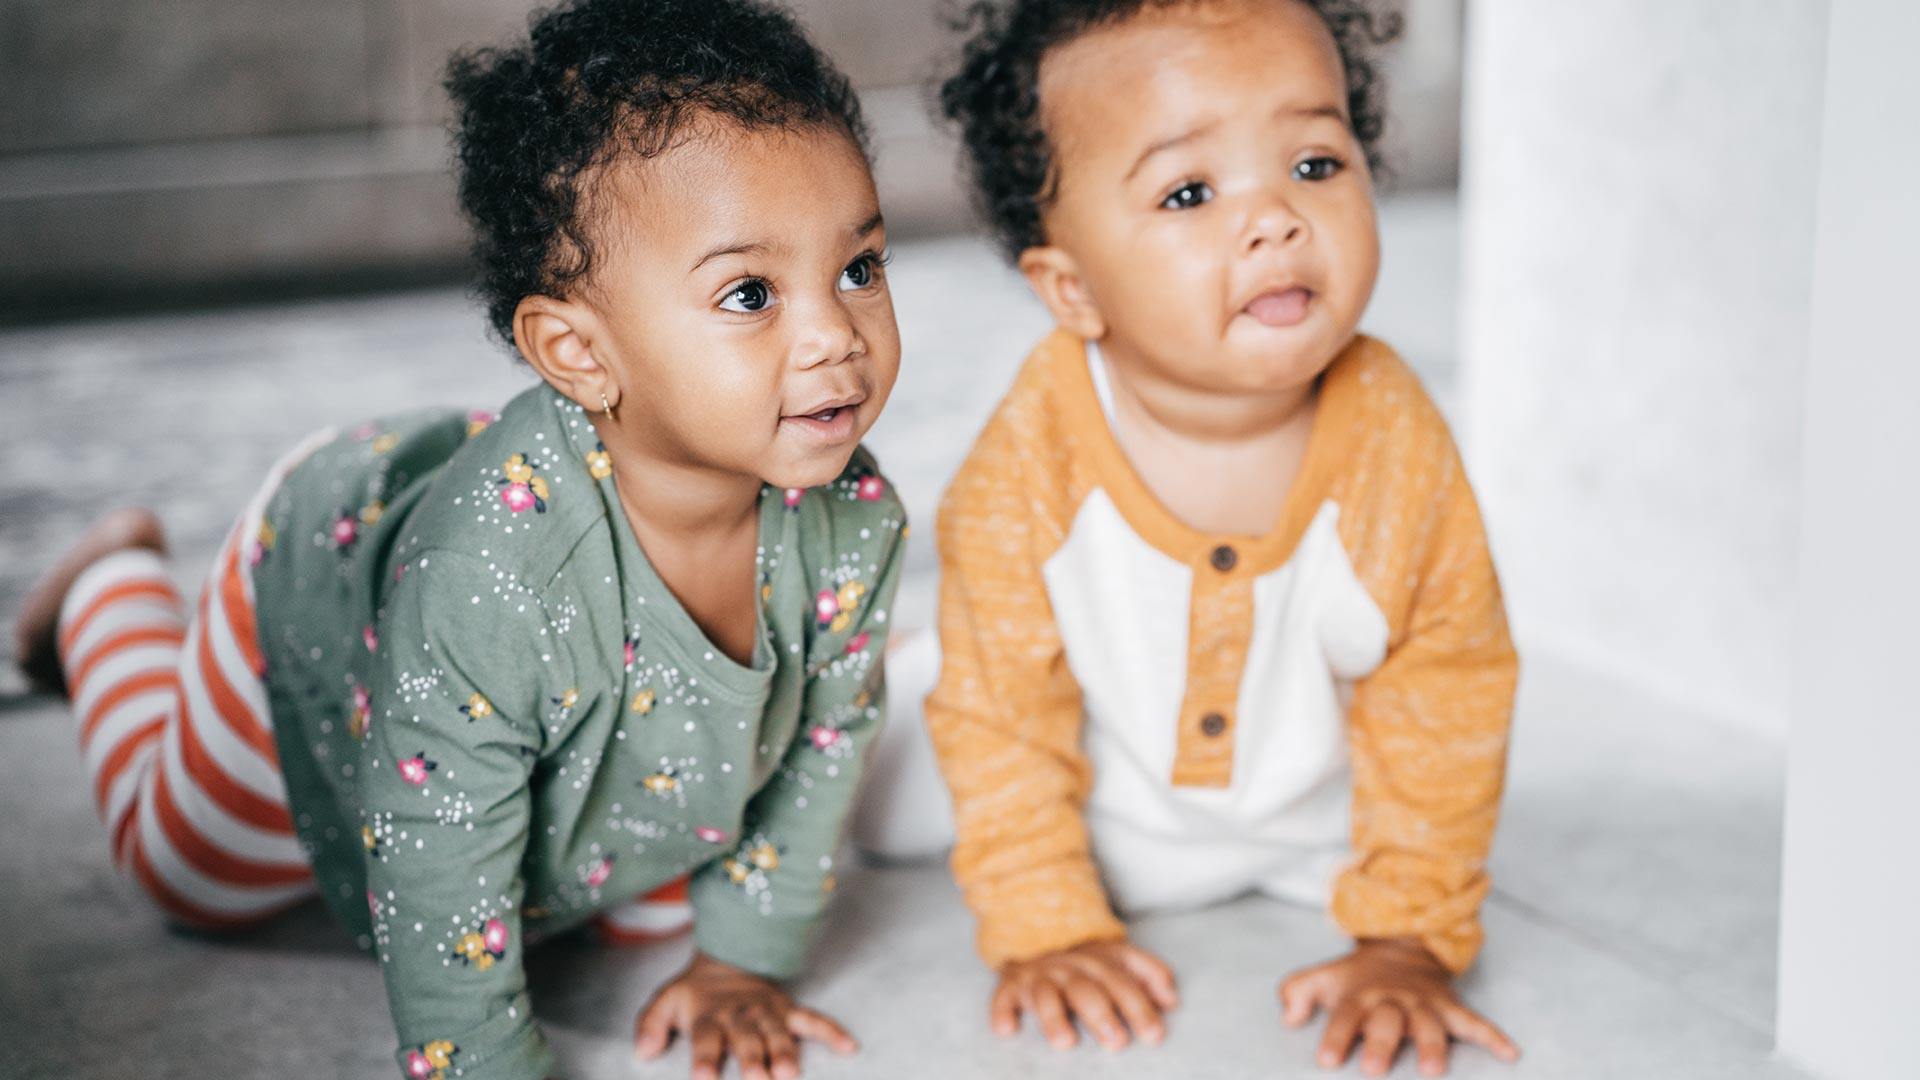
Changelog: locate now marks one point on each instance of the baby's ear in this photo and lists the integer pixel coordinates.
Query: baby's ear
(1055, 278)
(556, 338)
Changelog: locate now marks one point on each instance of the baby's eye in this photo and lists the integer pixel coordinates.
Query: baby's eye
(1318, 168)
(1187, 196)
(748, 297)
(861, 273)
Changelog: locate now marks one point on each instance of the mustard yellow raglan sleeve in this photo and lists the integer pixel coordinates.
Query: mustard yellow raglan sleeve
(1005, 716)
(1429, 733)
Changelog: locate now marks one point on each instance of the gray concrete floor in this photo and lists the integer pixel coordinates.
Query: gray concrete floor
(1631, 932)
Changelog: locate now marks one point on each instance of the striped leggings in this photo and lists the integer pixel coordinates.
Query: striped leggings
(179, 749)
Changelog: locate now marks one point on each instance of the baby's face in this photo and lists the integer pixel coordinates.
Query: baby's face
(1213, 201)
(744, 304)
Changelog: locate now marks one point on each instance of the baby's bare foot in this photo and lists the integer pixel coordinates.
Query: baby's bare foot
(34, 631)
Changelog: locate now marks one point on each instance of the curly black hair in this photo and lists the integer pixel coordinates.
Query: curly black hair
(596, 79)
(994, 97)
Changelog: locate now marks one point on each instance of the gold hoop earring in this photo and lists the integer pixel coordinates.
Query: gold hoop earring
(606, 406)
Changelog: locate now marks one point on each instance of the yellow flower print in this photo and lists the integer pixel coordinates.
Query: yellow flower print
(267, 535)
(662, 783)
(538, 485)
(829, 883)
(473, 948)
(643, 702)
(737, 871)
(431, 1061)
(850, 594)
(367, 838)
(517, 469)
(568, 700)
(599, 463)
(766, 593)
(477, 707)
(765, 856)
(385, 443)
(371, 513)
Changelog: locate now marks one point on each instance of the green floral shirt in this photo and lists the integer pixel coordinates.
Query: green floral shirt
(495, 720)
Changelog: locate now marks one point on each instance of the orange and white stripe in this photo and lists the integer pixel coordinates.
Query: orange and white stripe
(176, 740)
(663, 913)
(175, 733)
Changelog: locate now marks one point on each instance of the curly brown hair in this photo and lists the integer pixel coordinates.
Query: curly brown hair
(994, 96)
(596, 79)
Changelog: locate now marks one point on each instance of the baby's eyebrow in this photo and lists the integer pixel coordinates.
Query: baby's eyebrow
(754, 247)
(1168, 144)
(1305, 112)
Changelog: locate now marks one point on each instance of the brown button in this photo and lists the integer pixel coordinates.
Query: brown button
(1224, 558)
(1212, 724)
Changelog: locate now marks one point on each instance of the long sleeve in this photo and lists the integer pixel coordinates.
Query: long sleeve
(757, 908)
(1428, 731)
(452, 737)
(1005, 720)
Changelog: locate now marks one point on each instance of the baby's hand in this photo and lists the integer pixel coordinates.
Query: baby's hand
(1100, 982)
(724, 1011)
(1383, 992)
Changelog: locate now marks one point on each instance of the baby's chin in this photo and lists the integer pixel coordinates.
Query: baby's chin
(801, 471)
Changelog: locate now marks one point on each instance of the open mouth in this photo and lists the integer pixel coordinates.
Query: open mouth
(832, 422)
(1280, 307)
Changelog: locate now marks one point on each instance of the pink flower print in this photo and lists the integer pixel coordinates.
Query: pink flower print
(517, 498)
(480, 420)
(366, 431)
(361, 718)
(370, 639)
(345, 531)
(414, 770)
(858, 643)
(826, 738)
(521, 488)
(826, 606)
(870, 488)
(627, 651)
(373, 904)
(495, 935)
(793, 497)
(418, 1067)
(598, 871)
(709, 834)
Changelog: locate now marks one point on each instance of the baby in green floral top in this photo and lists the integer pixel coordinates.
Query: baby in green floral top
(477, 678)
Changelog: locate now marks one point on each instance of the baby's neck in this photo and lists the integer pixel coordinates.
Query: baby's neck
(1221, 463)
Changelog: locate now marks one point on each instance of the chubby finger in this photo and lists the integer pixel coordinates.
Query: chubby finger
(1342, 1028)
(783, 1053)
(821, 1028)
(1469, 1026)
(1380, 1035)
(1429, 1040)
(1301, 995)
(1042, 1000)
(1004, 1009)
(1093, 1005)
(709, 1045)
(653, 1028)
(1130, 995)
(747, 1047)
(1154, 974)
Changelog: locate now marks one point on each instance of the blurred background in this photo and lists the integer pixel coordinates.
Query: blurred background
(1649, 255)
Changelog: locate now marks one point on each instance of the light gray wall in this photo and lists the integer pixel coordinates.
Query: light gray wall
(1638, 197)
(1847, 994)
(170, 143)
